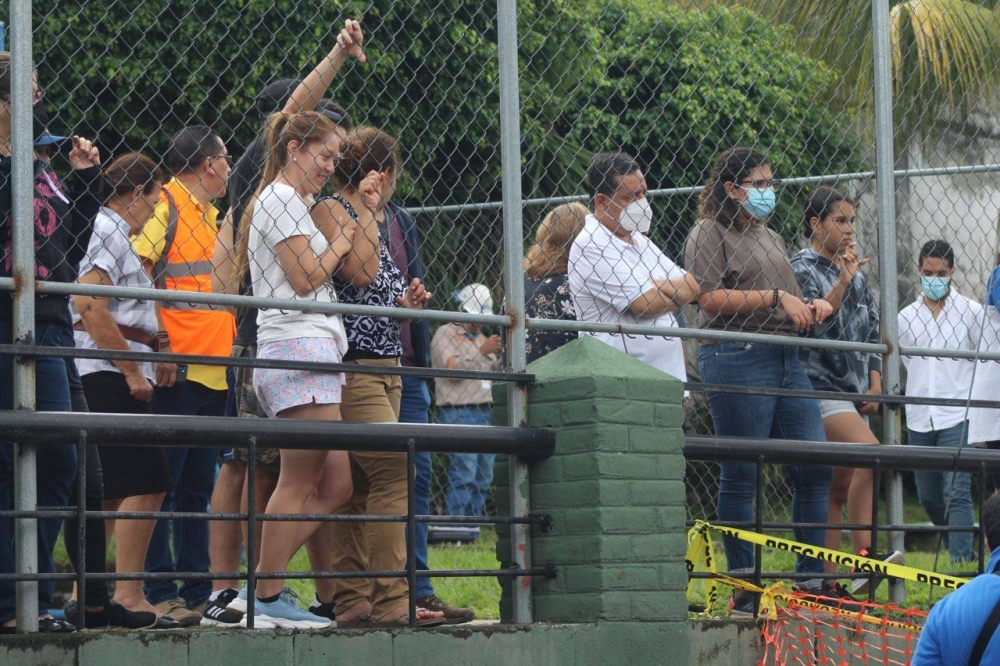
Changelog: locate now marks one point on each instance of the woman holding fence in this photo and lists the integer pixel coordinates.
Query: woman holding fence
(136, 478)
(367, 168)
(289, 258)
(63, 219)
(748, 286)
(830, 269)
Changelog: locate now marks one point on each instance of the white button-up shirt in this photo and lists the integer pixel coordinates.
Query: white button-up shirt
(956, 327)
(111, 251)
(606, 274)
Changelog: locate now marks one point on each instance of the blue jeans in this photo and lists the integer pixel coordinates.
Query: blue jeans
(947, 496)
(192, 475)
(56, 464)
(763, 417)
(470, 475)
(414, 407)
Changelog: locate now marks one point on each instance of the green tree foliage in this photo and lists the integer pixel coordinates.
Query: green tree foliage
(673, 87)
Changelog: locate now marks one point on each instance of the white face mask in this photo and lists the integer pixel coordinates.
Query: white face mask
(637, 216)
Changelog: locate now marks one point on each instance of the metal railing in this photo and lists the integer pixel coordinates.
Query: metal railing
(879, 458)
(25, 288)
(44, 428)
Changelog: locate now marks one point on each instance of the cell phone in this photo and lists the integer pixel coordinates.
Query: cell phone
(182, 374)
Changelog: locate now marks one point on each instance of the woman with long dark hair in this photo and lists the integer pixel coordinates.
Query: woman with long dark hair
(748, 286)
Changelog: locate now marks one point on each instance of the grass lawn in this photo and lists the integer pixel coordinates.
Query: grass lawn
(481, 594)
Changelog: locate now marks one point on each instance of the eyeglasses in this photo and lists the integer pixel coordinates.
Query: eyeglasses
(762, 185)
(226, 158)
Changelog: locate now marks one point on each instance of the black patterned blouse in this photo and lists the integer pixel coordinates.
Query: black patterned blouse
(367, 336)
(548, 298)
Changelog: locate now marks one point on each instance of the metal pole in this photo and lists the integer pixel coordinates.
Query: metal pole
(888, 286)
(513, 246)
(22, 194)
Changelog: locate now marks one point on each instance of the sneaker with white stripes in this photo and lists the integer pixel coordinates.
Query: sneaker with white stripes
(218, 614)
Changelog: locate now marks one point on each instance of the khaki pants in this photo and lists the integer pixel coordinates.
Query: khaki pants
(379, 489)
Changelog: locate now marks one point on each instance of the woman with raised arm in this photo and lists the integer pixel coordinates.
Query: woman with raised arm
(63, 219)
(748, 286)
(289, 258)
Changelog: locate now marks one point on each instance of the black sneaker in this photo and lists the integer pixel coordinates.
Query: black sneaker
(317, 607)
(832, 595)
(113, 615)
(218, 615)
(741, 604)
(860, 586)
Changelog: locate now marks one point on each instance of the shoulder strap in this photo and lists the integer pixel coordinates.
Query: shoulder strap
(168, 241)
(986, 635)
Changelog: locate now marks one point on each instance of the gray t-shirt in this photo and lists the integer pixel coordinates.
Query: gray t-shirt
(747, 258)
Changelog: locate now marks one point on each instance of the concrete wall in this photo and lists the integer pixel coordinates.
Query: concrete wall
(540, 645)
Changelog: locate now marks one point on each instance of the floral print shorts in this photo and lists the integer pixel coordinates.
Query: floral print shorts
(278, 390)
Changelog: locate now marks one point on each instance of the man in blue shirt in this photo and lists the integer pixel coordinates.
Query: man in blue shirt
(955, 622)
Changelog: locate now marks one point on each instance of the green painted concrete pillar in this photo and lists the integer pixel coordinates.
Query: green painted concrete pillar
(614, 488)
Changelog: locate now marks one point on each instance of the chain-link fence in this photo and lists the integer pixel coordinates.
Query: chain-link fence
(673, 84)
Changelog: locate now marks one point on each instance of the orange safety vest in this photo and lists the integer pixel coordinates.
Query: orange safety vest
(186, 265)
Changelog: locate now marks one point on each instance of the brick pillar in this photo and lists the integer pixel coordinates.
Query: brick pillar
(614, 488)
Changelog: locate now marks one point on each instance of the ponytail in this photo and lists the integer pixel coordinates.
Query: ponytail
(281, 128)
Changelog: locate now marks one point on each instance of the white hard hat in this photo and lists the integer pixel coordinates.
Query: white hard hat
(475, 298)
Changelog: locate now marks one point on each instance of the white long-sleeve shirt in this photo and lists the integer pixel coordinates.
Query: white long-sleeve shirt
(956, 327)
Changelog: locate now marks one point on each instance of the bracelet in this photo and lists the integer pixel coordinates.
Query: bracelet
(776, 299)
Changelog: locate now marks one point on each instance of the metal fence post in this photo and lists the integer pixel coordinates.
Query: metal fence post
(23, 244)
(513, 248)
(888, 286)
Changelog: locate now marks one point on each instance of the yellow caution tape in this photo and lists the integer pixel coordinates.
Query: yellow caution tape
(864, 564)
(700, 556)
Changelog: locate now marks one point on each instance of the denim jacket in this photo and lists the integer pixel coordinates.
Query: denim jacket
(856, 320)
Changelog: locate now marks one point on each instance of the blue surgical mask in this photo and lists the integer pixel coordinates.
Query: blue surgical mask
(934, 288)
(760, 203)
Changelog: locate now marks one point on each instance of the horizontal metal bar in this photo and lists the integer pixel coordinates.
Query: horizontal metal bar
(702, 334)
(43, 512)
(292, 575)
(701, 387)
(696, 189)
(798, 452)
(233, 300)
(784, 527)
(223, 432)
(970, 354)
(229, 361)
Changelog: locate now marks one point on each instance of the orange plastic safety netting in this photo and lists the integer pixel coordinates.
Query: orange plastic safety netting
(803, 633)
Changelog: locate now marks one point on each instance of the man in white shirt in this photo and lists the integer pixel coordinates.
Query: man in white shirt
(941, 318)
(618, 275)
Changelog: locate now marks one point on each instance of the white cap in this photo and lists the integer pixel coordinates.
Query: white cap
(475, 298)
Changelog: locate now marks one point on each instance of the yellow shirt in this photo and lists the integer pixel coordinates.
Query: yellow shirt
(150, 243)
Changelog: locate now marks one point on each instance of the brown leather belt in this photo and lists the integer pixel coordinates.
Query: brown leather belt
(129, 333)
